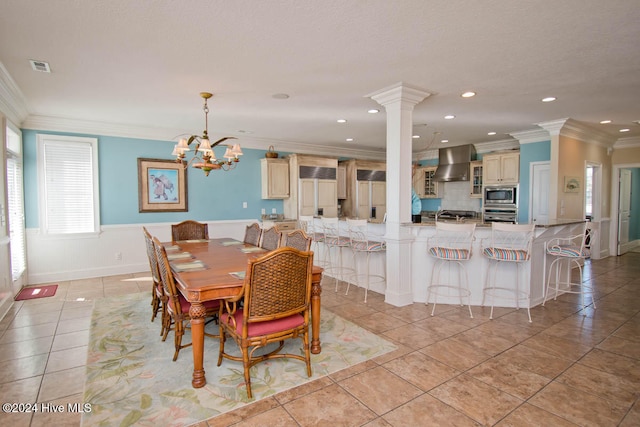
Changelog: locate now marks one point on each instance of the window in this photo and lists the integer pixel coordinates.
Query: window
(68, 178)
(588, 192)
(15, 204)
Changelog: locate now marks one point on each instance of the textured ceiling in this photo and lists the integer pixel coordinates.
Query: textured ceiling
(144, 63)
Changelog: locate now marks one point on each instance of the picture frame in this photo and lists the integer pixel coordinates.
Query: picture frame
(572, 184)
(162, 186)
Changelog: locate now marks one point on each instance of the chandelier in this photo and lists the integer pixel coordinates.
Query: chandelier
(204, 157)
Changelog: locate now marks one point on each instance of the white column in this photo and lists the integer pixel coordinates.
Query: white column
(399, 101)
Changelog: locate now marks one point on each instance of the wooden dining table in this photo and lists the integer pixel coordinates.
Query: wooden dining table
(224, 261)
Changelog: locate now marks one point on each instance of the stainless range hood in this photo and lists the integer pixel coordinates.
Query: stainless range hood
(453, 163)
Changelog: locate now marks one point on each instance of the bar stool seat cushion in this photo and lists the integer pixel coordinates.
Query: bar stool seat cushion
(502, 254)
(449, 253)
(337, 241)
(569, 251)
(368, 246)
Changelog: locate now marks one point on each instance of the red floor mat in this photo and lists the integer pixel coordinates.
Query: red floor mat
(34, 292)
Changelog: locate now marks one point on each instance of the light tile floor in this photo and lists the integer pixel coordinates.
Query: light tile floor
(569, 367)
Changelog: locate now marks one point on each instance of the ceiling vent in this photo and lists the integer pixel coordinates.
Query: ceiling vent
(40, 66)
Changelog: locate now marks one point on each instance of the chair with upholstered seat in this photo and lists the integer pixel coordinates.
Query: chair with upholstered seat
(510, 244)
(189, 230)
(158, 299)
(568, 252)
(364, 242)
(177, 306)
(252, 234)
(297, 239)
(277, 296)
(451, 246)
(271, 238)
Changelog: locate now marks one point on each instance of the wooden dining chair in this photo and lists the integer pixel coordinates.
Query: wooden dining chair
(252, 234)
(177, 306)
(189, 230)
(297, 239)
(276, 299)
(158, 299)
(271, 238)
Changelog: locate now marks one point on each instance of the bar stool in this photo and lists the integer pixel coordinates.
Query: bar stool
(333, 240)
(307, 224)
(451, 246)
(361, 243)
(509, 244)
(567, 251)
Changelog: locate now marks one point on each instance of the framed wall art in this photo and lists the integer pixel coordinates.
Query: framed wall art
(162, 186)
(572, 184)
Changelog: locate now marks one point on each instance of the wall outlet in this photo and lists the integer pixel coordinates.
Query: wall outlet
(273, 210)
(264, 211)
(244, 205)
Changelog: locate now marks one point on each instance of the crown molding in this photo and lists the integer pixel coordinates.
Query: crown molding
(631, 142)
(571, 128)
(503, 144)
(531, 136)
(61, 124)
(12, 102)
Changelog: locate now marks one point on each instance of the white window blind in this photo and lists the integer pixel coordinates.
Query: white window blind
(68, 184)
(16, 215)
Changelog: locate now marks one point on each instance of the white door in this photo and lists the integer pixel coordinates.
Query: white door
(624, 211)
(539, 194)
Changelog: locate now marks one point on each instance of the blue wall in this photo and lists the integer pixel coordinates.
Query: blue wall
(534, 152)
(216, 197)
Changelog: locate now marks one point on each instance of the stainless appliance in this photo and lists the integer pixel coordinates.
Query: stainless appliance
(455, 215)
(502, 214)
(453, 163)
(500, 195)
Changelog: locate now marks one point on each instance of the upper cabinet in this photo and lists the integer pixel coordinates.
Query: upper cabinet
(424, 184)
(275, 178)
(314, 186)
(475, 181)
(503, 168)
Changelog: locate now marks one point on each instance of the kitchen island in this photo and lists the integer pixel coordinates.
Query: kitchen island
(532, 273)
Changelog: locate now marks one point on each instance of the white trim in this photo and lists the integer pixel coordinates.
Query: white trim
(615, 201)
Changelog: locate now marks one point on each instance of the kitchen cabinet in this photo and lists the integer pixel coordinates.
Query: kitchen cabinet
(366, 189)
(424, 184)
(501, 168)
(342, 182)
(275, 178)
(314, 186)
(475, 174)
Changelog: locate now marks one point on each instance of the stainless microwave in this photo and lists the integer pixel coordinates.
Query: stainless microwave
(501, 195)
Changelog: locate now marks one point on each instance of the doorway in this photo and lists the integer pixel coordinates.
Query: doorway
(625, 203)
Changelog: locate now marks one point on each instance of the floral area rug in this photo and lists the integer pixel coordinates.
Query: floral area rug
(132, 380)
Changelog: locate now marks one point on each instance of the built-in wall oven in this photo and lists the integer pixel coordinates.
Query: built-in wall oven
(500, 204)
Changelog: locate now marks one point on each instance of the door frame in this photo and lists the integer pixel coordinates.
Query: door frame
(532, 166)
(615, 202)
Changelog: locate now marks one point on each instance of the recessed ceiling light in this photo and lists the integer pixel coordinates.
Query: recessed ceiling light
(468, 94)
(444, 140)
(341, 121)
(449, 117)
(625, 130)
(349, 139)
(416, 136)
(373, 111)
(280, 96)
(549, 99)
(491, 133)
(605, 122)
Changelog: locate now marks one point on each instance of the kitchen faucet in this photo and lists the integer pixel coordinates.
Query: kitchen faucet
(438, 212)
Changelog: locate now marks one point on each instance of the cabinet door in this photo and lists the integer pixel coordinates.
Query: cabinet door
(476, 179)
(342, 182)
(418, 182)
(307, 197)
(510, 168)
(328, 197)
(379, 199)
(275, 178)
(430, 185)
(491, 170)
(363, 200)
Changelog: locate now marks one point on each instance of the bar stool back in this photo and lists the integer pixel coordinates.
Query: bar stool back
(363, 242)
(334, 243)
(569, 251)
(509, 244)
(451, 246)
(307, 224)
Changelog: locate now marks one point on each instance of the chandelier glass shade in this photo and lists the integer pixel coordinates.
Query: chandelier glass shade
(203, 155)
